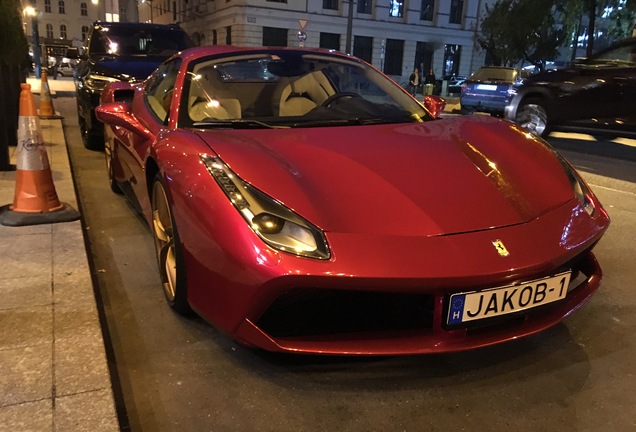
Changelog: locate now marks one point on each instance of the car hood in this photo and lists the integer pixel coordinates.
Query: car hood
(423, 179)
(125, 68)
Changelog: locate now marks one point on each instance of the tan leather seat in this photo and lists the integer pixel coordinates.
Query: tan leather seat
(220, 109)
(302, 95)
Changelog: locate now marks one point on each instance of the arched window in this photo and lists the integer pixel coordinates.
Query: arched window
(49, 31)
(84, 32)
(83, 9)
(47, 6)
(63, 31)
(61, 6)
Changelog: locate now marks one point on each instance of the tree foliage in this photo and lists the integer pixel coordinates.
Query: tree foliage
(516, 30)
(14, 47)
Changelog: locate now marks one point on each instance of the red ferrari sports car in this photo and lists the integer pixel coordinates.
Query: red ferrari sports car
(301, 201)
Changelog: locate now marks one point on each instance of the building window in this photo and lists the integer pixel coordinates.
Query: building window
(83, 9)
(84, 33)
(273, 36)
(424, 57)
(363, 48)
(364, 6)
(330, 41)
(451, 60)
(215, 37)
(396, 8)
(228, 35)
(49, 31)
(63, 31)
(393, 57)
(330, 4)
(428, 7)
(47, 6)
(60, 5)
(456, 11)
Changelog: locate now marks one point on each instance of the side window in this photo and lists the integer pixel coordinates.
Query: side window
(160, 87)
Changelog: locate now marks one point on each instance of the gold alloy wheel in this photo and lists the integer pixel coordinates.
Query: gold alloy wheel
(164, 240)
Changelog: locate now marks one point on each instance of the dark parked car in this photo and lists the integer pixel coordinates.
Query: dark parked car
(490, 89)
(117, 51)
(596, 95)
(455, 84)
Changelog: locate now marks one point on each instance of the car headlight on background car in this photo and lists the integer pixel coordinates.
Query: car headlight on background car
(275, 224)
(97, 82)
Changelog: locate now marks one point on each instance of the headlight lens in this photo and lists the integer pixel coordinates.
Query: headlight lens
(581, 191)
(98, 82)
(274, 223)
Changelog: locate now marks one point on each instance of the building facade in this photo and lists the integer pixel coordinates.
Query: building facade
(394, 35)
(67, 22)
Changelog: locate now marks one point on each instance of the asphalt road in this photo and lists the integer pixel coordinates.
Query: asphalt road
(173, 373)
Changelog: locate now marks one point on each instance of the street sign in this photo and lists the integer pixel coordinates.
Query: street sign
(302, 23)
(302, 36)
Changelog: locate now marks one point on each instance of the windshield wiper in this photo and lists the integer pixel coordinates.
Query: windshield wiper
(356, 121)
(234, 124)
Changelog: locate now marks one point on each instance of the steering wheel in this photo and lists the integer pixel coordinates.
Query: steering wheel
(334, 97)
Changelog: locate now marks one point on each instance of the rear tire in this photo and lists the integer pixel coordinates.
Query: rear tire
(168, 250)
(532, 115)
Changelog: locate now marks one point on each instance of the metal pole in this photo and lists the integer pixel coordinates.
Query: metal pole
(349, 28)
(36, 46)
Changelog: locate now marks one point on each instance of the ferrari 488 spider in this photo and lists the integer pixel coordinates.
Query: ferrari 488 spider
(301, 201)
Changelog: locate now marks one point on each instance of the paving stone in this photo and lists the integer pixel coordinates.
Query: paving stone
(26, 374)
(86, 412)
(29, 326)
(27, 417)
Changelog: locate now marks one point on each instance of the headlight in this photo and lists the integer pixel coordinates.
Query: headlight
(274, 223)
(98, 82)
(581, 191)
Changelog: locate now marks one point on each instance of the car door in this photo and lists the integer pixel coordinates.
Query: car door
(151, 106)
(602, 87)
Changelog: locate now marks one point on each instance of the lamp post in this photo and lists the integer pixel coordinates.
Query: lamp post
(349, 28)
(33, 13)
(149, 2)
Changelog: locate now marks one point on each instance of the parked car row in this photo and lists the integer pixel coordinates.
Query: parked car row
(596, 95)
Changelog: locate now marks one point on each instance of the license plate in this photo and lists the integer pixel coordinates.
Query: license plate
(486, 87)
(472, 306)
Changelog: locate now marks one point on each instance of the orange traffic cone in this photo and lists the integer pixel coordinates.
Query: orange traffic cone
(35, 201)
(46, 103)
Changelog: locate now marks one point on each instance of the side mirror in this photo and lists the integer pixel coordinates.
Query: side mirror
(435, 105)
(120, 114)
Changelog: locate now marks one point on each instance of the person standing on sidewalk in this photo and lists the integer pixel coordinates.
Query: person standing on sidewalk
(414, 81)
(429, 82)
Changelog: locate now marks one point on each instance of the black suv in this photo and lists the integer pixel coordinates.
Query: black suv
(119, 51)
(596, 95)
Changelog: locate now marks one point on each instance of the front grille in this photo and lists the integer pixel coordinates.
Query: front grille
(312, 312)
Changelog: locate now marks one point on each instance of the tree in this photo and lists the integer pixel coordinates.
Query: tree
(515, 30)
(620, 14)
(14, 54)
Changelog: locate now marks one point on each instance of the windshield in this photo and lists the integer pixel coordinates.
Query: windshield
(292, 89)
(151, 41)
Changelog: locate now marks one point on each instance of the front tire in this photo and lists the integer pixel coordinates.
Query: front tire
(168, 250)
(532, 115)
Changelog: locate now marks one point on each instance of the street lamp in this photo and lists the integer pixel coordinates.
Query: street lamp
(33, 13)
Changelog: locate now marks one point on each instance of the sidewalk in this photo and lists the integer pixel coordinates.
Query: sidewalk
(54, 370)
